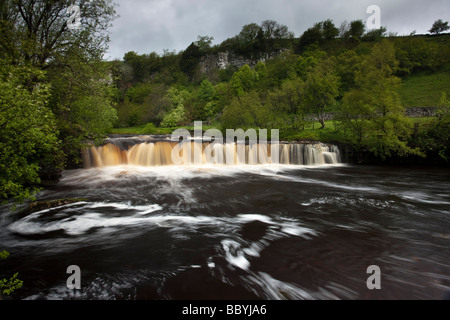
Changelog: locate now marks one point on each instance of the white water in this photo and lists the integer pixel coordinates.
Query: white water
(164, 153)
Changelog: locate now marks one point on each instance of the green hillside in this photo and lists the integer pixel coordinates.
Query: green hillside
(424, 89)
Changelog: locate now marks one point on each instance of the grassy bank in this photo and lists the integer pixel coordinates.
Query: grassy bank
(313, 131)
(424, 89)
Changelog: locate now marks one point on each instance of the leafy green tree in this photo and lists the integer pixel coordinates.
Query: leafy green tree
(247, 112)
(38, 34)
(224, 95)
(75, 85)
(204, 43)
(206, 91)
(372, 114)
(346, 67)
(308, 60)
(139, 92)
(249, 40)
(279, 68)
(29, 142)
(443, 109)
(415, 54)
(190, 59)
(176, 115)
(243, 80)
(276, 36)
(356, 29)
(439, 26)
(329, 30)
(375, 34)
(318, 34)
(261, 71)
(286, 104)
(433, 138)
(206, 98)
(321, 89)
(143, 66)
(312, 36)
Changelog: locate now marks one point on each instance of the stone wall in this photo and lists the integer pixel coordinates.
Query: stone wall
(419, 112)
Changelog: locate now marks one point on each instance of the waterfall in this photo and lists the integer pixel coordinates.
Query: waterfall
(160, 153)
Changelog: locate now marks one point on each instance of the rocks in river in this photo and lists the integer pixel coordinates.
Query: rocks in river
(43, 205)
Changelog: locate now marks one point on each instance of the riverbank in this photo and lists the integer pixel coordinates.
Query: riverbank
(420, 124)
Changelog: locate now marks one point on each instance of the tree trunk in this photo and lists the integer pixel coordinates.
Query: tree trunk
(322, 122)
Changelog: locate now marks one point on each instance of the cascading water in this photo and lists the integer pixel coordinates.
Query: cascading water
(159, 153)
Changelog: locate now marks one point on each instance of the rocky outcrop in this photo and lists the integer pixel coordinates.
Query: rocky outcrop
(223, 60)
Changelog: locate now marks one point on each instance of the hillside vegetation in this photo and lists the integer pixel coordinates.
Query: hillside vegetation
(343, 85)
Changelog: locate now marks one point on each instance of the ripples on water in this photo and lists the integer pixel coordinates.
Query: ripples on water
(236, 232)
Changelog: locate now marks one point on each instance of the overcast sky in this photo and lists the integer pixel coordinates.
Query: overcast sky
(146, 26)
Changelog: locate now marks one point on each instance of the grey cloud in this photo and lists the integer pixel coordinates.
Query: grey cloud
(150, 26)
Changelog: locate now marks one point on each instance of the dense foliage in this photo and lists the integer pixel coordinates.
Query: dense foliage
(348, 76)
(56, 90)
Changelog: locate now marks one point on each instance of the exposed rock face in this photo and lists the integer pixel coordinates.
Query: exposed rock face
(223, 60)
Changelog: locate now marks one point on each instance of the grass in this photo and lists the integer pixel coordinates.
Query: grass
(141, 129)
(424, 89)
(312, 132)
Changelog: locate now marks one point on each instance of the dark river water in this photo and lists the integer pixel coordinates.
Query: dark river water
(236, 232)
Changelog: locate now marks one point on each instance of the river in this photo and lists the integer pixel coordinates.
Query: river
(236, 232)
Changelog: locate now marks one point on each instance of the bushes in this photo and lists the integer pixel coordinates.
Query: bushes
(29, 137)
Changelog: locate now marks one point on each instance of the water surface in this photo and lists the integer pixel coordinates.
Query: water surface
(236, 232)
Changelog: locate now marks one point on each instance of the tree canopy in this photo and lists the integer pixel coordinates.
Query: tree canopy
(55, 87)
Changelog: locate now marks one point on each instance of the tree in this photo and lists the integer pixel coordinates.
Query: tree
(416, 54)
(204, 43)
(276, 36)
(29, 142)
(372, 114)
(206, 91)
(375, 34)
(38, 31)
(247, 112)
(35, 33)
(344, 30)
(274, 30)
(190, 59)
(309, 37)
(205, 99)
(433, 138)
(321, 89)
(356, 29)
(320, 32)
(439, 26)
(243, 80)
(176, 115)
(308, 60)
(329, 30)
(286, 103)
(346, 68)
